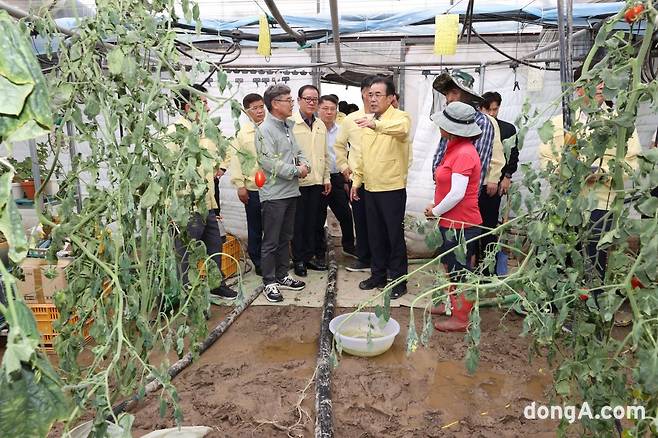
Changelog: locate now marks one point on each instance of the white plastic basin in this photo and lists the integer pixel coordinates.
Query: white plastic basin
(353, 333)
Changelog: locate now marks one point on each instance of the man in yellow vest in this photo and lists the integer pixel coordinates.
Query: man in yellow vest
(204, 226)
(311, 135)
(349, 134)
(382, 167)
(242, 177)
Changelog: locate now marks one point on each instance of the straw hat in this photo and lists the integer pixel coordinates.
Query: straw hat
(458, 119)
(460, 79)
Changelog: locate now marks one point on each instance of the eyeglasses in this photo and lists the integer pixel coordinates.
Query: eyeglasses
(376, 95)
(288, 100)
(256, 108)
(310, 99)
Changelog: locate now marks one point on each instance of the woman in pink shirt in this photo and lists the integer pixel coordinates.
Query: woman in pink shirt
(457, 180)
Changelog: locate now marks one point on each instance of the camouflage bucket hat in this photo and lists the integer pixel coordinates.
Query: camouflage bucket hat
(457, 78)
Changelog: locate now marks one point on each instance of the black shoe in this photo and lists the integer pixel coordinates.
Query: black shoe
(316, 265)
(224, 292)
(259, 271)
(300, 269)
(289, 283)
(372, 283)
(272, 293)
(350, 252)
(398, 291)
(358, 266)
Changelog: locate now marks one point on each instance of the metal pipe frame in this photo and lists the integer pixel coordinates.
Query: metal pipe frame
(333, 6)
(298, 36)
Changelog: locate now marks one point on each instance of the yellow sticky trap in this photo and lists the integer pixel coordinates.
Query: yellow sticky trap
(264, 39)
(446, 32)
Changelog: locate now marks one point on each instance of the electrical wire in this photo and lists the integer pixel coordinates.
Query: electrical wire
(510, 57)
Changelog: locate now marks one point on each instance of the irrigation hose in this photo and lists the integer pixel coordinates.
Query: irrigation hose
(324, 425)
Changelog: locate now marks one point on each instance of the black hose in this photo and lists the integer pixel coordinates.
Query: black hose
(324, 424)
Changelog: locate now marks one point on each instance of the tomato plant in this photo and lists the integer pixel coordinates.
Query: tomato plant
(124, 277)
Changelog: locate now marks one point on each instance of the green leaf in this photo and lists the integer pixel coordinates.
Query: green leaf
(649, 206)
(562, 388)
(13, 96)
(151, 195)
(11, 222)
(222, 80)
(30, 404)
(115, 61)
(28, 130)
(433, 239)
(92, 108)
(546, 131)
(472, 359)
(163, 407)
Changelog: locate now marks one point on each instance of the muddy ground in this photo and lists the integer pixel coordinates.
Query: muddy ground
(249, 383)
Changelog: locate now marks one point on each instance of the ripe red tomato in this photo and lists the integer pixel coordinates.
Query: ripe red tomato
(259, 178)
(629, 15)
(636, 283)
(583, 297)
(633, 13)
(638, 9)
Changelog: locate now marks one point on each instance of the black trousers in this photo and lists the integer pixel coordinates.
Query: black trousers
(339, 202)
(456, 270)
(207, 231)
(598, 258)
(254, 227)
(306, 218)
(216, 196)
(361, 227)
(278, 224)
(489, 210)
(385, 213)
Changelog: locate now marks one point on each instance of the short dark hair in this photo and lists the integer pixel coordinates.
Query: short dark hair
(300, 92)
(185, 96)
(390, 86)
(251, 98)
(343, 106)
(272, 92)
(490, 97)
(351, 108)
(329, 98)
(335, 95)
(366, 82)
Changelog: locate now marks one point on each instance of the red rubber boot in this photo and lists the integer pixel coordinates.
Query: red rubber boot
(458, 321)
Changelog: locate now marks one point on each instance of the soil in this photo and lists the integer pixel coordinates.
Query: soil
(249, 383)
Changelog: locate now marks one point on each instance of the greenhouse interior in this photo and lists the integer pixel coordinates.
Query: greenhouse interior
(260, 218)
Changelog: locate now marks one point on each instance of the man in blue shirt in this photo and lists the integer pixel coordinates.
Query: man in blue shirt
(456, 87)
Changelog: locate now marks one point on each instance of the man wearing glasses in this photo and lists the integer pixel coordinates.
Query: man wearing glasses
(382, 167)
(284, 164)
(311, 135)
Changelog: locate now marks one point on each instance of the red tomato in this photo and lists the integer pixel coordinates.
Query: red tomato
(630, 15)
(638, 9)
(259, 178)
(636, 283)
(583, 297)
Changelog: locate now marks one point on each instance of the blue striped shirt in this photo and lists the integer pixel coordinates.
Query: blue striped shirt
(484, 146)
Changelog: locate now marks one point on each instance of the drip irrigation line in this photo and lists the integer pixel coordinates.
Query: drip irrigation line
(153, 385)
(324, 424)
